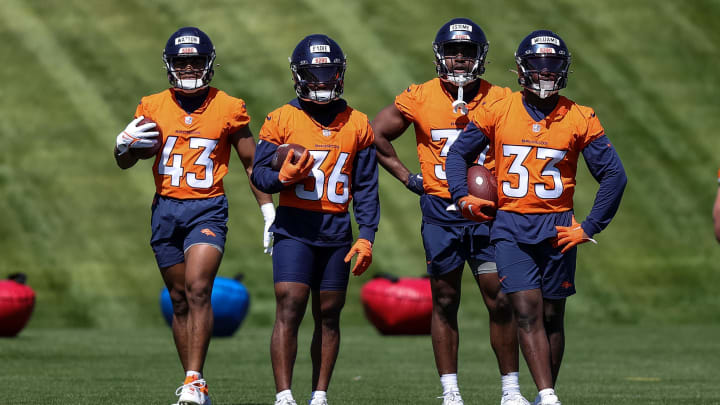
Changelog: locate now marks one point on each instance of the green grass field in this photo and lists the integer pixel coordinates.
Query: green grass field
(643, 326)
(603, 366)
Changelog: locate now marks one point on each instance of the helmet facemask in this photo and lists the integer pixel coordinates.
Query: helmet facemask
(468, 53)
(319, 83)
(200, 66)
(543, 75)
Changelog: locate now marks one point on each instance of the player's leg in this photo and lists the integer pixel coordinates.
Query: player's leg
(445, 264)
(554, 313)
(528, 308)
(327, 306)
(558, 284)
(291, 300)
(167, 244)
(329, 287)
(444, 327)
(503, 330)
(204, 222)
(201, 266)
(174, 278)
(521, 278)
(293, 262)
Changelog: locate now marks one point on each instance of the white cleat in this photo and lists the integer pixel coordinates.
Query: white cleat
(318, 401)
(549, 400)
(193, 392)
(452, 398)
(285, 401)
(514, 399)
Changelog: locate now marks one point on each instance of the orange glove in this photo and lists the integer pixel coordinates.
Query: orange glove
(363, 248)
(571, 236)
(293, 172)
(471, 208)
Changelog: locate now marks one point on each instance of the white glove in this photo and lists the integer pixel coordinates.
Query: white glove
(268, 212)
(136, 136)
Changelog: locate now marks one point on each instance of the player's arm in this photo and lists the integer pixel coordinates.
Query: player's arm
(366, 207)
(244, 144)
(263, 176)
(469, 144)
(716, 214)
(388, 125)
(124, 161)
(604, 164)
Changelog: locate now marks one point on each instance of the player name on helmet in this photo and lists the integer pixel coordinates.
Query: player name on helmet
(460, 27)
(322, 59)
(319, 48)
(545, 40)
(187, 39)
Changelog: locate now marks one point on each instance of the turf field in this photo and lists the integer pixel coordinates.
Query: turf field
(603, 366)
(74, 71)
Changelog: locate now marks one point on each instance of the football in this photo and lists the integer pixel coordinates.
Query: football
(482, 184)
(147, 153)
(281, 154)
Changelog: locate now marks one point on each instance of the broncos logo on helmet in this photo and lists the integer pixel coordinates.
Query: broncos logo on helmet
(543, 63)
(189, 46)
(318, 69)
(460, 38)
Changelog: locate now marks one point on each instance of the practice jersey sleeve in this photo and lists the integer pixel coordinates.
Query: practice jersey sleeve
(461, 155)
(405, 102)
(366, 203)
(604, 164)
(263, 176)
(238, 117)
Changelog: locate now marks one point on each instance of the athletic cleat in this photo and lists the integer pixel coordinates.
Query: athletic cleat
(194, 391)
(452, 398)
(318, 401)
(285, 401)
(514, 399)
(549, 400)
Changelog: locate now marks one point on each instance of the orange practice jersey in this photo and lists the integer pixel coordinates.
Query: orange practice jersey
(334, 149)
(429, 107)
(536, 162)
(196, 147)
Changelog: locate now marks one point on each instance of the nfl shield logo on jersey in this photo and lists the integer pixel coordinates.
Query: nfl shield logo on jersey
(188, 120)
(326, 132)
(536, 128)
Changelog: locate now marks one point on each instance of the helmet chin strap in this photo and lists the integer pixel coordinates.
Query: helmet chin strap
(460, 104)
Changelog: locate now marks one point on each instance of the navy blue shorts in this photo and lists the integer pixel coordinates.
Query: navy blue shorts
(179, 224)
(525, 267)
(449, 247)
(323, 268)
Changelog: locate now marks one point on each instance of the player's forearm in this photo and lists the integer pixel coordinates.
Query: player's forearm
(366, 202)
(461, 154)
(388, 159)
(605, 165)
(262, 176)
(126, 160)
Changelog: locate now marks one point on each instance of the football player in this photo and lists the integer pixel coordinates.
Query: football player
(196, 127)
(313, 236)
(438, 110)
(538, 136)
